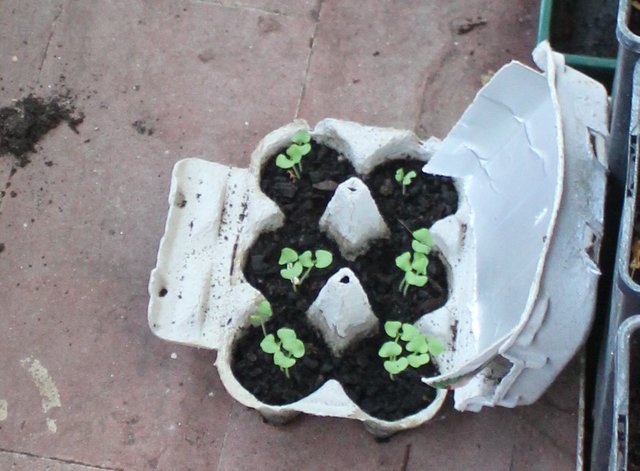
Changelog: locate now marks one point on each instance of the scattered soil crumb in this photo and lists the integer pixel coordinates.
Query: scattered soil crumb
(2, 247)
(142, 127)
(468, 24)
(26, 121)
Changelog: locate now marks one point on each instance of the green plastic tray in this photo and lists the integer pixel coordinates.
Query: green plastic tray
(600, 68)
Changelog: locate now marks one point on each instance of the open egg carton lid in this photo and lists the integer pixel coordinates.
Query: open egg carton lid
(530, 151)
(528, 159)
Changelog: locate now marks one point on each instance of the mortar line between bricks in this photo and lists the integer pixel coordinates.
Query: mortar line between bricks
(59, 460)
(51, 33)
(548, 438)
(450, 51)
(242, 7)
(308, 64)
(224, 439)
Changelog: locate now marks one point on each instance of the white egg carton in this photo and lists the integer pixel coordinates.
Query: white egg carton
(527, 161)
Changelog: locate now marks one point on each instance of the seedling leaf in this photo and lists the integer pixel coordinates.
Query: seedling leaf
(389, 350)
(301, 137)
(283, 361)
(269, 345)
(264, 309)
(395, 367)
(305, 148)
(295, 152)
(409, 332)
(420, 263)
(294, 347)
(422, 241)
(436, 347)
(324, 258)
(416, 280)
(291, 272)
(400, 175)
(406, 180)
(423, 235)
(418, 345)
(419, 247)
(282, 161)
(287, 255)
(418, 360)
(285, 334)
(392, 328)
(403, 262)
(306, 259)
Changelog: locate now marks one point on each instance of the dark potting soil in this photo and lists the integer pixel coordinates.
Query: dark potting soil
(263, 272)
(586, 27)
(634, 20)
(367, 383)
(428, 199)
(633, 451)
(303, 201)
(26, 121)
(255, 370)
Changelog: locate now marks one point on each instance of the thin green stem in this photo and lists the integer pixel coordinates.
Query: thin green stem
(295, 171)
(305, 274)
(264, 331)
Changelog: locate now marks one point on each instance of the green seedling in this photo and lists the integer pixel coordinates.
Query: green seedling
(262, 315)
(405, 178)
(296, 264)
(414, 265)
(422, 241)
(292, 158)
(419, 348)
(286, 350)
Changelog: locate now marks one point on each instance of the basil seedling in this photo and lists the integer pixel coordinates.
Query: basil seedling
(262, 315)
(296, 264)
(405, 178)
(414, 264)
(419, 348)
(292, 158)
(286, 350)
